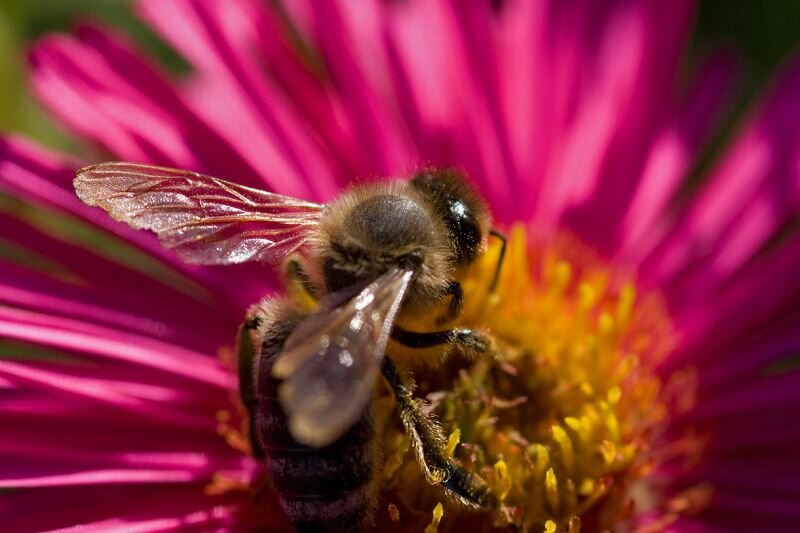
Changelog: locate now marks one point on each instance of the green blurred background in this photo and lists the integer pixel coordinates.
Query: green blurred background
(764, 33)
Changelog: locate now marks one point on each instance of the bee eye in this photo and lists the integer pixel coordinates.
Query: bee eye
(467, 235)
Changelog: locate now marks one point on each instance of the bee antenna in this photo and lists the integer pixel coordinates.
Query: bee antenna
(503, 240)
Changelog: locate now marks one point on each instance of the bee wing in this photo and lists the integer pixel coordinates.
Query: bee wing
(331, 360)
(205, 220)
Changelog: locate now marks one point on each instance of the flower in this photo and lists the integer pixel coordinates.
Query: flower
(565, 115)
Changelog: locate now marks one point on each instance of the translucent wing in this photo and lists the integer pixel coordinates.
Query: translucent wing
(205, 220)
(331, 360)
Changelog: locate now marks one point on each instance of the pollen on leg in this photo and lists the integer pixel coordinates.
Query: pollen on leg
(565, 422)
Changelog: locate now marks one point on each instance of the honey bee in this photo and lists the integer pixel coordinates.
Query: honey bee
(377, 253)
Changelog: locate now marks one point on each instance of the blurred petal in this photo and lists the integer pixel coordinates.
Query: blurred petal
(219, 40)
(753, 191)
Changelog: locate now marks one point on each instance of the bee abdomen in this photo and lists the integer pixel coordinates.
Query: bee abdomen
(320, 489)
(345, 464)
(329, 512)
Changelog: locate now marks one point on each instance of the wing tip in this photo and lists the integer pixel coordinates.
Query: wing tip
(81, 185)
(306, 426)
(87, 180)
(305, 433)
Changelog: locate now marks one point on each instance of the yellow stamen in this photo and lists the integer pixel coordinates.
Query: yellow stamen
(400, 443)
(551, 485)
(221, 484)
(502, 480)
(541, 457)
(452, 442)
(438, 512)
(563, 272)
(565, 444)
(625, 303)
(233, 436)
(609, 451)
(586, 296)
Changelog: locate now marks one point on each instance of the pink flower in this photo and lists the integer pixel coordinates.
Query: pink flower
(118, 409)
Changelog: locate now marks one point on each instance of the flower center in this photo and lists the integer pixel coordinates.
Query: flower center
(567, 418)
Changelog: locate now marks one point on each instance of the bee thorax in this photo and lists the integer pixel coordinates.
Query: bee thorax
(389, 222)
(374, 234)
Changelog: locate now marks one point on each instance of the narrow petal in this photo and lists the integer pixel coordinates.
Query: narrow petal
(751, 194)
(104, 90)
(672, 154)
(134, 508)
(103, 343)
(219, 40)
(767, 288)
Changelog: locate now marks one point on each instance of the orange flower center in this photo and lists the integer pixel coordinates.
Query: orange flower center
(564, 422)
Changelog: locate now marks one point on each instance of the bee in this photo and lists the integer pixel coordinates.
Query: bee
(308, 377)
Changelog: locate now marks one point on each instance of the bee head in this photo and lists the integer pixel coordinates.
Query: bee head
(459, 207)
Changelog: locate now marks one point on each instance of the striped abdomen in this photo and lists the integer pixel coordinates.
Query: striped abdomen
(321, 489)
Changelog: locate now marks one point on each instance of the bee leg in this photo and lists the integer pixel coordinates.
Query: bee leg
(472, 342)
(456, 302)
(429, 444)
(248, 347)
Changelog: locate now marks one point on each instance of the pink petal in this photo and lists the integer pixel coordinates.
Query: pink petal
(101, 477)
(97, 390)
(760, 353)
(104, 343)
(768, 289)
(620, 102)
(752, 192)
(108, 93)
(447, 88)
(672, 154)
(117, 508)
(218, 39)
